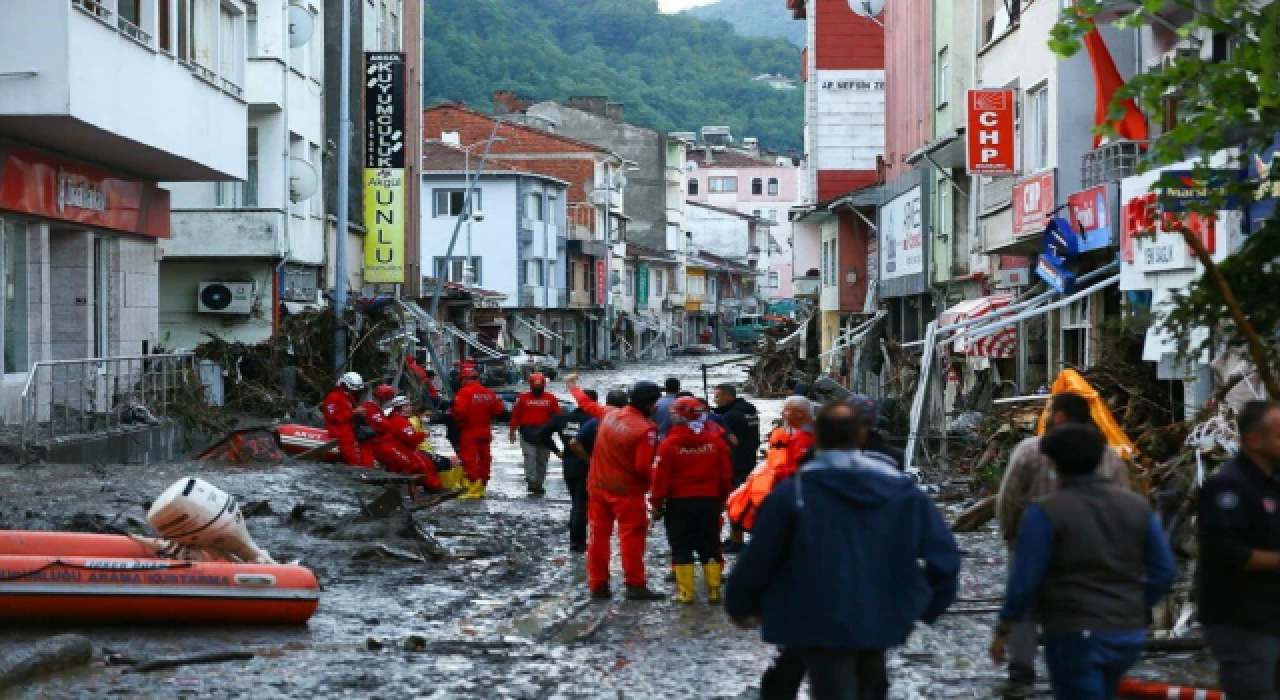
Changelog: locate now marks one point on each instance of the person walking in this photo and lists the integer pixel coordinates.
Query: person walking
(341, 409)
(576, 430)
(532, 411)
(618, 481)
(1239, 571)
(1029, 476)
(692, 477)
(1094, 558)
(807, 574)
(662, 412)
(474, 408)
(786, 445)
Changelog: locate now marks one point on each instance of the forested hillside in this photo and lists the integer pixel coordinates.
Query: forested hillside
(674, 72)
(755, 18)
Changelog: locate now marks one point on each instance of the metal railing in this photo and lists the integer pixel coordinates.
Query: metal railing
(69, 400)
(94, 8)
(133, 31)
(1110, 162)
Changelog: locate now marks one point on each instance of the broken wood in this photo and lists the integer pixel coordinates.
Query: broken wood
(975, 516)
(211, 657)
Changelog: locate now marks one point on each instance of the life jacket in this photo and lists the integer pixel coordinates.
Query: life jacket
(786, 446)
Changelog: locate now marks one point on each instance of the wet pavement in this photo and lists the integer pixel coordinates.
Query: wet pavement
(507, 616)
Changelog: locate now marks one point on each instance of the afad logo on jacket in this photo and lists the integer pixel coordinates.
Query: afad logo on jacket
(706, 449)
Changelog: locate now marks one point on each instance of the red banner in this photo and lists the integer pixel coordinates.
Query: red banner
(600, 281)
(1032, 201)
(991, 133)
(45, 186)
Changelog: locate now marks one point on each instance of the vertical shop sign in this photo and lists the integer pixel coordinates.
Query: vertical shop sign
(992, 133)
(384, 185)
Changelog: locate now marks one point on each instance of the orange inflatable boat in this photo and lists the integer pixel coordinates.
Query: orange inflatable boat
(70, 577)
(296, 439)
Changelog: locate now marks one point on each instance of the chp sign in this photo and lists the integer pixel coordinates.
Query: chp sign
(992, 138)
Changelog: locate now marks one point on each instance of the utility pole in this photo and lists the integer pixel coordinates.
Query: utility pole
(344, 194)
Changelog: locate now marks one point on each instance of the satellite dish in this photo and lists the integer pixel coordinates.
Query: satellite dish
(303, 180)
(867, 8)
(302, 24)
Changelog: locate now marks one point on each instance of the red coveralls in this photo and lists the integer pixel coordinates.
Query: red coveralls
(692, 477)
(533, 411)
(339, 420)
(474, 408)
(397, 450)
(621, 466)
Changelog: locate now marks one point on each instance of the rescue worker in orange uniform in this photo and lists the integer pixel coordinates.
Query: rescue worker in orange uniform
(340, 411)
(530, 414)
(787, 445)
(397, 448)
(617, 483)
(692, 477)
(474, 408)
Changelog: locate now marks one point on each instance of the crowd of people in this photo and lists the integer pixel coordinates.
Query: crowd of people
(846, 553)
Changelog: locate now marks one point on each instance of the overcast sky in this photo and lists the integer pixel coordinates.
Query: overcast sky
(678, 5)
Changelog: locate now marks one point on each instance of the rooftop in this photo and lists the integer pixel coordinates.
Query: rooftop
(726, 158)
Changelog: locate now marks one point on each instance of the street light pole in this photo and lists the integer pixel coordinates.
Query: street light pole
(344, 195)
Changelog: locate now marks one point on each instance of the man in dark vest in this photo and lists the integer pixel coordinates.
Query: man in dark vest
(1094, 559)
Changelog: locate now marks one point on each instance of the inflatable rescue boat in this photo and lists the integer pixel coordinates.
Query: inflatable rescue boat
(69, 577)
(296, 439)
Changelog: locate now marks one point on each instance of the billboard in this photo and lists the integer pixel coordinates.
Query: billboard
(902, 236)
(1091, 217)
(991, 132)
(1033, 199)
(384, 151)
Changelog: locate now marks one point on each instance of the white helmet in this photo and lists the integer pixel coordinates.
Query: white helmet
(352, 381)
(397, 402)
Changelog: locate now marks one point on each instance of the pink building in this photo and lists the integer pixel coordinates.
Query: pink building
(734, 179)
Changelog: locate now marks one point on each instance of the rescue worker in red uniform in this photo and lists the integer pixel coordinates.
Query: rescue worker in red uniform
(340, 411)
(371, 426)
(692, 477)
(533, 411)
(617, 483)
(474, 408)
(397, 447)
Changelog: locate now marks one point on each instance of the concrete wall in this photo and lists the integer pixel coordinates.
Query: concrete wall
(645, 195)
(718, 233)
(133, 299)
(179, 284)
(71, 266)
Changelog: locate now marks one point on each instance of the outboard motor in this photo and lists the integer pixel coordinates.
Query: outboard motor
(195, 513)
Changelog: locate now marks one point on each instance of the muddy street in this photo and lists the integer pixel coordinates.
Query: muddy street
(505, 615)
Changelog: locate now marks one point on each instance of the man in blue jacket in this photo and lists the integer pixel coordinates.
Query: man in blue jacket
(844, 559)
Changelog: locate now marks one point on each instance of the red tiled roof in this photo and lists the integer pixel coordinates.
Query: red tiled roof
(441, 157)
(726, 159)
(439, 115)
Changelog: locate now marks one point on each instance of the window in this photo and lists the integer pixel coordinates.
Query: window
(184, 29)
(693, 187)
(533, 206)
(163, 30)
(230, 46)
(1075, 333)
(659, 283)
(15, 302)
(756, 213)
(250, 198)
(773, 187)
(1037, 128)
(317, 210)
(533, 273)
(943, 216)
(697, 285)
(631, 282)
(773, 280)
(297, 149)
(722, 184)
(757, 186)
(773, 215)
(395, 33)
(250, 30)
(457, 270)
(450, 202)
(130, 11)
(712, 286)
(940, 86)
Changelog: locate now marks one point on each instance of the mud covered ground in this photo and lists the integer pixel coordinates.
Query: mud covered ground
(506, 617)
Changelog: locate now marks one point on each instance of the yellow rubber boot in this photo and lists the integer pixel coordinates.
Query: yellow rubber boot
(451, 479)
(713, 571)
(475, 490)
(468, 487)
(684, 583)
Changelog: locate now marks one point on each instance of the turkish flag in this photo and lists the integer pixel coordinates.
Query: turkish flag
(1106, 81)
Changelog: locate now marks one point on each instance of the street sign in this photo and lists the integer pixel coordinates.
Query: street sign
(991, 133)
(1033, 199)
(1091, 217)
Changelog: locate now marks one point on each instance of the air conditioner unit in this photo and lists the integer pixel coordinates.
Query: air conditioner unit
(225, 298)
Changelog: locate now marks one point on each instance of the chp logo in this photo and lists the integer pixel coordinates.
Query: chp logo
(77, 192)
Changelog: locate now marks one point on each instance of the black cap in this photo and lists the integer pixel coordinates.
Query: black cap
(645, 393)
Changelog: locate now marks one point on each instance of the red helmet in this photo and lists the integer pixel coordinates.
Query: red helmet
(383, 393)
(687, 407)
(469, 373)
(537, 380)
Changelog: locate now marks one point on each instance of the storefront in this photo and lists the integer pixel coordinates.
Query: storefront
(79, 263)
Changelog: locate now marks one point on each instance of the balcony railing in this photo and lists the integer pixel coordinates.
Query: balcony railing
(806, 286)
(94, 8)
(1111, 162)
(134, 32)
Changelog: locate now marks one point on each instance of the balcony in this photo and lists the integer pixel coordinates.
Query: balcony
(580, 299)
(581, 222)
(806, 287)
(676, 298)
(87, 83)
(1111, 162)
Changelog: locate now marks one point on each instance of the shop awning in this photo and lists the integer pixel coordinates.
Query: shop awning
(971, 309)
(533, 325)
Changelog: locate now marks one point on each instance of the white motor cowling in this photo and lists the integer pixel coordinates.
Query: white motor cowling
(195, 513)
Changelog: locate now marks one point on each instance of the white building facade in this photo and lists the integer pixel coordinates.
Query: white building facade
(99, 103)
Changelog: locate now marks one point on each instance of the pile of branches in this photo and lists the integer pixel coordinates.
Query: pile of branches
(295, 368)
(774, 371)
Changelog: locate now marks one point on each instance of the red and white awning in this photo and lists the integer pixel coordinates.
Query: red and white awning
(1001, 345)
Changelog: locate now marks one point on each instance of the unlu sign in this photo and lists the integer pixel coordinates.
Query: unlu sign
(992, 138)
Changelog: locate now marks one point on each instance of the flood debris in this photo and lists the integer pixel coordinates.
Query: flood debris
(46, 656)
(209, 657)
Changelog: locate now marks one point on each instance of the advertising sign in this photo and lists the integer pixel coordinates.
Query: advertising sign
(1015, 271)
(384, 195)
(600, 281)
(1033, 199)
(991, 133)
(45, 186)
(642, 285)
(902, 236)
(1061, 246)
(1091, 217)
(1263, 173)
(1192, 192)
(1162, 252)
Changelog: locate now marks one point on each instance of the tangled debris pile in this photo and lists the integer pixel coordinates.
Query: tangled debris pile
(783, 358)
